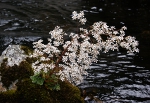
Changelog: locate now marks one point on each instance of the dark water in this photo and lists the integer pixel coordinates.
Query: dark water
(22, 21)
(117, 77)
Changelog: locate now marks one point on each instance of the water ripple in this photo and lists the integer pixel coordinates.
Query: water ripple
(116, 76)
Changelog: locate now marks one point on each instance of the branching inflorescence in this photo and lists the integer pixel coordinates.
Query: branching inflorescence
(69, 60)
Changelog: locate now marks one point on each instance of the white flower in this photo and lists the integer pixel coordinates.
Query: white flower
(65, 58)
(83, 21)
(77, 54)
(74, 15)
(79, 16)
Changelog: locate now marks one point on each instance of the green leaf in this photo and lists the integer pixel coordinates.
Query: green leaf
(37, 79)
(57, 87)
(40, 81)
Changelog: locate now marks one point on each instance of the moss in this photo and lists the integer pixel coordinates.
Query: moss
(29, 92)
(10, 74)
(33, 93)
(8, 97)
(67, 94)
(27, 50)
(5, 60)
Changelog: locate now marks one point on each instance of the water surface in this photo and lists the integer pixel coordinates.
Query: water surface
(117, 77)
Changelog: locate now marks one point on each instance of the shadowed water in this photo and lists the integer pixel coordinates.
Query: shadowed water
(117, 77)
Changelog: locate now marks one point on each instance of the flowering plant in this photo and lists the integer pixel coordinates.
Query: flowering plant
(69, 59)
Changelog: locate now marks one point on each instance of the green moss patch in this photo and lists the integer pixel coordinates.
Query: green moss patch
(10, 74)
(28, 92)
(27, 50)
(8, 97)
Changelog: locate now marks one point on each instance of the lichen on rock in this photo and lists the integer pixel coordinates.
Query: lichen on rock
(14, 55)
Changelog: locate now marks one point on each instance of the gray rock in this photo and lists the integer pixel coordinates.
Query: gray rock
(13, 54)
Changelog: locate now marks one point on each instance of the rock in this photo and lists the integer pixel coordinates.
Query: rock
(92, 99)
(10, 61)
(89, 95)
(14, 55)
(2, 89)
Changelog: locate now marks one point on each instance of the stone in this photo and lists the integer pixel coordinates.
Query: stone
(13, 54)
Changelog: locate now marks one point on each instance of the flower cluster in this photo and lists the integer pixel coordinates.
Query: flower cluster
(79, 16)
(69, 60)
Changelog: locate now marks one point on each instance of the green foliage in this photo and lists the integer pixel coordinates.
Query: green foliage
(37, 78)
(52, 83)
